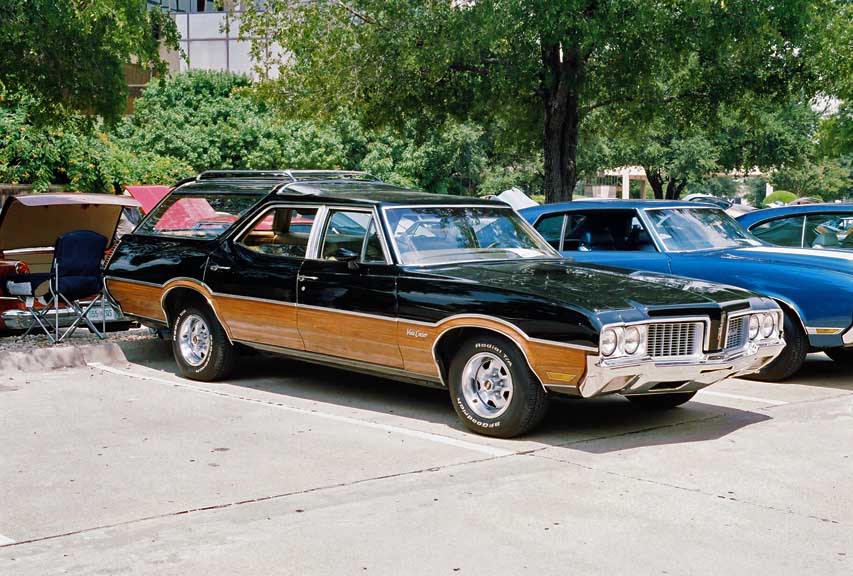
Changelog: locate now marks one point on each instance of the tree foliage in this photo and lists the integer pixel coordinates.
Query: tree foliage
(202, 120)
(539, 66)
(751, 133)
(75, 152)
(70, 54)
(829, 179)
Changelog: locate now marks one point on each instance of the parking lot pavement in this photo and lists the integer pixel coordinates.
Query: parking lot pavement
(297, 469)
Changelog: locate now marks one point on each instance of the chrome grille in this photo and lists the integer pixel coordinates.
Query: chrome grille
(671, 339)
(737, 332)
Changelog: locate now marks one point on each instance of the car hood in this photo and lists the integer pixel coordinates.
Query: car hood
(837, 260)
(36, 221)
(594, 287)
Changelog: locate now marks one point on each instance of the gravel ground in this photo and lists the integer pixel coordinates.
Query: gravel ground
(81, 337)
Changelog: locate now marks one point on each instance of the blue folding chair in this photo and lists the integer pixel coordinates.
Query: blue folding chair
(75, 273)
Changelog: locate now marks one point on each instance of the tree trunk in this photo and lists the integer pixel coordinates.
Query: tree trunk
(674, 186)
(563, 71)
(655, 179)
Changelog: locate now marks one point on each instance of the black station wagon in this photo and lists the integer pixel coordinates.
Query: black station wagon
(462, 293)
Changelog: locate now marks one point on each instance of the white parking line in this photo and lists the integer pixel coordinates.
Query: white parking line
(739, 397)
(482, 448)
(5, 541)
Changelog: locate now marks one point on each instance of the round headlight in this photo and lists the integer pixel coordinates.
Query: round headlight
(768, 323)
(754, 326)
(608, 342)
(631, 339)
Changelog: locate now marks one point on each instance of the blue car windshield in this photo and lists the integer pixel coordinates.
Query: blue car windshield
(688, 229)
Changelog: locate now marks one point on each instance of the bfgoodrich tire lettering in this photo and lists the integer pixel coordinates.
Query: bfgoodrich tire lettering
(501, 412)
(218, 360)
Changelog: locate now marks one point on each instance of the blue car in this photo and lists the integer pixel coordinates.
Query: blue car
(814, 287)
(807, 226)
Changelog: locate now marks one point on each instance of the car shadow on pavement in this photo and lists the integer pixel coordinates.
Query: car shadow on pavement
(597, 425)
(821, 372)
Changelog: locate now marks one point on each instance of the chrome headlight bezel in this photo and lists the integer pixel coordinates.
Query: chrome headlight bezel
(768, 325)
(625, 341)
(754, 326)
(608, 342)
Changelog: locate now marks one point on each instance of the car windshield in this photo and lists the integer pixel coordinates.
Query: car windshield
(687, 229)
(441, 235)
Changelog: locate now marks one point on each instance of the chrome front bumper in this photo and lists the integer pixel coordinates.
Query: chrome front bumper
(681, 375)
(21, 319)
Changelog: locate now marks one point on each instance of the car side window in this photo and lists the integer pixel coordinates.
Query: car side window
(782, 231)
(607, 230)
(351, 233)
(281, 232)
(551, 228)
(829, 231)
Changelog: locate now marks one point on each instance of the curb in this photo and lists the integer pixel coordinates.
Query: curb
(47, 359)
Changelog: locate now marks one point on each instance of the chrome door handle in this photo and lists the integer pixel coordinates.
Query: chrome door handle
(215, 267)
(302, 278)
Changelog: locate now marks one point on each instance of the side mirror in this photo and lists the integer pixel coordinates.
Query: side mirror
(348, 256)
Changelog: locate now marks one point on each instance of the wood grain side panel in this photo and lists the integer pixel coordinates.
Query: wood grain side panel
(416, 343)
(137, 299)
(261, 322)
(556, 365)
(552, 363)
(345, 335)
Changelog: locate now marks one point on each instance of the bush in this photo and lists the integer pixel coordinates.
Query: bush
(780, 196)
(74, 153)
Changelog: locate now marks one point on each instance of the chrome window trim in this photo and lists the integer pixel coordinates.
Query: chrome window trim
(524, 223)
(237, 235)
(328, 209)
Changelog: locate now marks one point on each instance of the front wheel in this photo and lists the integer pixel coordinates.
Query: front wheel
(201, 347)
(662, 401)
(841, 355)
(792, 357)
(494, 392)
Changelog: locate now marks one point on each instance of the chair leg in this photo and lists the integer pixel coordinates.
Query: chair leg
(81, 317)
(39, 317)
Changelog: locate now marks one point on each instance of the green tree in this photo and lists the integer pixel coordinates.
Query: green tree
(73, 151)
(829, 179)
(70, 54)
(539, 66)
(681, 149)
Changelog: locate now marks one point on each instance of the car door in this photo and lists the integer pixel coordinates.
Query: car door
(606, 237)
(347, 291)
(254, 276)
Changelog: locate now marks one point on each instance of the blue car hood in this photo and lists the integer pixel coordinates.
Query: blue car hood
(835, 260)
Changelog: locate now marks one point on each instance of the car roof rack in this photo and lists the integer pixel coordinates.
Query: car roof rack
(291, 175)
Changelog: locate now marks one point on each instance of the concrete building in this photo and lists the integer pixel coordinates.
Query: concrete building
(210, 37)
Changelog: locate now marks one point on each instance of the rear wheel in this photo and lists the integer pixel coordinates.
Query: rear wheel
(793, 355)
(841, 355)
(662, 401)
(201, 347)
(494, 392)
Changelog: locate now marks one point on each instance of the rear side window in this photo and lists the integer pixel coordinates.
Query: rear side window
(203, 216)
(782, 231)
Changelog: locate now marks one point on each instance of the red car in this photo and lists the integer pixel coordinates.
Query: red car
(29, 227)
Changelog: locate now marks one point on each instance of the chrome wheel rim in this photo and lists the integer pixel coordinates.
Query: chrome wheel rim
(194, 340)
(487, 385)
